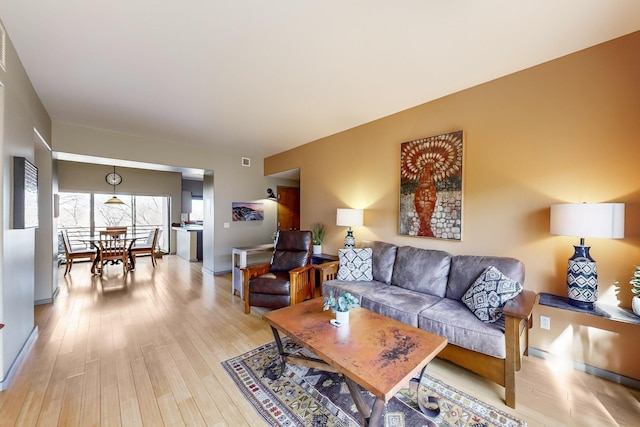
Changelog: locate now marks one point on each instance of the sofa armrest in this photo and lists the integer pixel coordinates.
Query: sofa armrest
(517, 314)
(521, 306)
(328, 271)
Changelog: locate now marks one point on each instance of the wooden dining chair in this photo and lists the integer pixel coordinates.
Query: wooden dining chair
(113, 247)
(148, 247)
(70, 253)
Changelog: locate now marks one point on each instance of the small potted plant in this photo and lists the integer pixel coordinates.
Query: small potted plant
(317, 231)
(635, 288)
(341, 305)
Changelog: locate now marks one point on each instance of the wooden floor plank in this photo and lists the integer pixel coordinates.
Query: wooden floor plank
(161, 387)
(145, 350)
(149, 410)
(72, 401)
(90, 410)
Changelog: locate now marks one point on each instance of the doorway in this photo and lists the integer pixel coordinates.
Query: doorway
(288, 208)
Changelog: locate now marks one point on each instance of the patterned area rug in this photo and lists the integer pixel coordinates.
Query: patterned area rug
(305, 396)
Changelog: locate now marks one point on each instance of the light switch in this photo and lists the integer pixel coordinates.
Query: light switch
(226, 225)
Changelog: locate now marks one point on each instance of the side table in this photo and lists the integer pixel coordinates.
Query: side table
(241, 252)
(322, 258)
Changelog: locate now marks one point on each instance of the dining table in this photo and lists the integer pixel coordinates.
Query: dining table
(95, 243)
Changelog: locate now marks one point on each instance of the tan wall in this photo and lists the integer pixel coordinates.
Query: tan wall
(564, 131)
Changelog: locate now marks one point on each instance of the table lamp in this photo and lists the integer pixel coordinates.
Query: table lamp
(600, 220)
(349, 218)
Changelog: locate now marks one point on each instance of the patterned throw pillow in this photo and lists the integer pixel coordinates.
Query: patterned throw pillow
(489, 293)
(355, 264)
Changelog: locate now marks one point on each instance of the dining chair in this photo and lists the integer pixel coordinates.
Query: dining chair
(117, 228)
(70, 253)
(148, 247)
(113, 247)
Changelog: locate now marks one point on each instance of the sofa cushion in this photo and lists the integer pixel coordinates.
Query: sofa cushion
(355, 264)
(465, 269)
(421, 270)
(489, 293)
(384, 256)
(453, 320)
(357, 289)
(400, 304)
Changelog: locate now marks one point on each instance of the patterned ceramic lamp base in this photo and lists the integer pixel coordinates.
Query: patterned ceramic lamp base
(349, 240)
(582, 279)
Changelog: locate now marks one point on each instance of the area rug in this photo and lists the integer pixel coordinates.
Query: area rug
(304, 396)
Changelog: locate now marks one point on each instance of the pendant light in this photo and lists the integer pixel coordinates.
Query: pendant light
(114, 179)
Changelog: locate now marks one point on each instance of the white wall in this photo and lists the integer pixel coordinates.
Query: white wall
(46, 266)
(21, 113)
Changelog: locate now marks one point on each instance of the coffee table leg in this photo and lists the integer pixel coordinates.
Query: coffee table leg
(371, 417)
(434, 405)
(276, 337)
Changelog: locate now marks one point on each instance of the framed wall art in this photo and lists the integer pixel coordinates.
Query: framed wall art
(25, 194)
(247, 211)
(431, 187)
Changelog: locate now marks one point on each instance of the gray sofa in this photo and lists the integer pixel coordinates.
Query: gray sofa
(424, 288)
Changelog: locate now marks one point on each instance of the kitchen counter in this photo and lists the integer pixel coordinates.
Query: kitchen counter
(189, 242)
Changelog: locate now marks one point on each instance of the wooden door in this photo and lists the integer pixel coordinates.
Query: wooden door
(288, 208)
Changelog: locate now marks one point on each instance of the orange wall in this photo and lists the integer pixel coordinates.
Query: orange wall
(565, 131)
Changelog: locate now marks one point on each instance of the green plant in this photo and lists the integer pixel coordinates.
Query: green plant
(344, 302)
(317, 230)
(635, 282)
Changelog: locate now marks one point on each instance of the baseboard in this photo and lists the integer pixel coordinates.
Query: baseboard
(221, 272)
(4, 384)
(583, 367)
(208, 271)
(47, 300)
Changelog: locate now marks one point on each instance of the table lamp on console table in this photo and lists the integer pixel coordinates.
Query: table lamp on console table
(349, 218)
(600, 220)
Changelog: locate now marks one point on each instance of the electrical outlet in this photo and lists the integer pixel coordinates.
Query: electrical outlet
(545, 322)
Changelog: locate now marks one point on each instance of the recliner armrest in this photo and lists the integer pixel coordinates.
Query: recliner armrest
(299, 270)
(521, 306)
(255, 270)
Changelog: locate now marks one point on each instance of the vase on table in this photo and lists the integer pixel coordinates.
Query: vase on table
(635, 304)
(342, 317)
(317, 249)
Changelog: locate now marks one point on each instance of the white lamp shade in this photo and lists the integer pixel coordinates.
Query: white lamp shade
(349, 217)
(600, 220)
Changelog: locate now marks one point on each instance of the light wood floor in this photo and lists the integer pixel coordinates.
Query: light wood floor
(146, 350)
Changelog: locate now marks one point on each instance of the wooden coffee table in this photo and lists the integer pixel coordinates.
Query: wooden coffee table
(376, 352)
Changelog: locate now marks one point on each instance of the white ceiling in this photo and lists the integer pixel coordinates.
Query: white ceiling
(258, 77)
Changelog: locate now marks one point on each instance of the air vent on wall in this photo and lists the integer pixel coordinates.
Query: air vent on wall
(2, 47)
(246, 162)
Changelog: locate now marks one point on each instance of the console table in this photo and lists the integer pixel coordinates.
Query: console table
(241, 262)
(611, 312)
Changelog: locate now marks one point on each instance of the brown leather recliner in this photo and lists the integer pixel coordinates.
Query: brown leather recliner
(288, 279)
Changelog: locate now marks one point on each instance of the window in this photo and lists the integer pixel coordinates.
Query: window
(84, 214)
(197, 210)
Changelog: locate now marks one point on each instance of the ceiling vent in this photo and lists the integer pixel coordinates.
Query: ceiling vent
(2, 47)
(246, 162)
